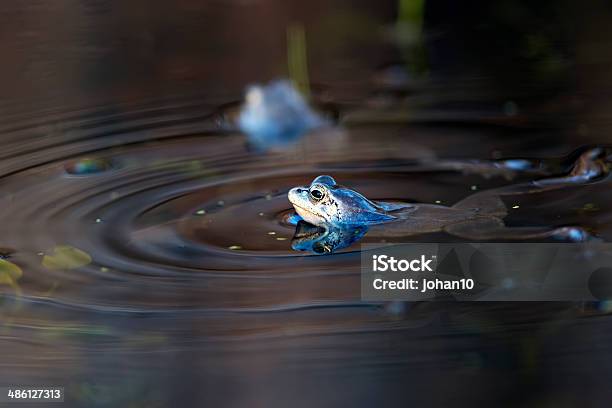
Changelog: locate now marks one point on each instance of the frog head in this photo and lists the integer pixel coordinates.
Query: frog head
(325, 203)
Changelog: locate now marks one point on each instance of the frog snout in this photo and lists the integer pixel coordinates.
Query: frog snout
(297, 194)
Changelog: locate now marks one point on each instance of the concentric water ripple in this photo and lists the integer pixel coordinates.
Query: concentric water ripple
(196, 221)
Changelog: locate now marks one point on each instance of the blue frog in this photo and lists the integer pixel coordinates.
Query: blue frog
(338, 209)
(276, 115)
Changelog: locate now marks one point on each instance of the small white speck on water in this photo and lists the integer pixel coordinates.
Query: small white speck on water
(474, 188)
(104, 269)
(235, 247)
(98, 220)
(438, 202)
(268, 197)
(281, 238)
(200, 212)
(261, 214)
(40, 254)
(271, 233)
(515, 206)
(220, 203)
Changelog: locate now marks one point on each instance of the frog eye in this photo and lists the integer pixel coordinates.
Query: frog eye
(316, 194)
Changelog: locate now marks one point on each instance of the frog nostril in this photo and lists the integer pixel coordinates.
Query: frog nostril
(295, 192)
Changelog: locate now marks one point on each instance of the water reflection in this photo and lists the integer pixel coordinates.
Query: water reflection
(325, 240)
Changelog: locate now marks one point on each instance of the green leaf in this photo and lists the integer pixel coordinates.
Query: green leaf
(66, 257)
(9, 273)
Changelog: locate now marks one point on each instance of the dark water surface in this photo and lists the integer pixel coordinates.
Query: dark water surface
(155, 259)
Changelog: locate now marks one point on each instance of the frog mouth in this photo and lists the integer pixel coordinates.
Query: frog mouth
(305, 210)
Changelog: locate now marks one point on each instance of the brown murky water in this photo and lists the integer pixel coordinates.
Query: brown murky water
(154, 259)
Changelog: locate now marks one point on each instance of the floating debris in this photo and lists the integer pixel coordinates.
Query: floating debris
(474, 188)
(200, 212)
(438, 202)
(590, 207)
(235, 247)
(220, 203)
(516, 164)
(268, 197)
(515, 206)
(66, 257)
(281, 238)
(88, 166)
(271, 233)
(98, 220)
(9, 273)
